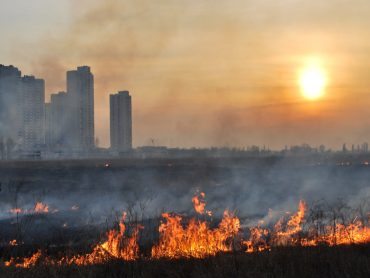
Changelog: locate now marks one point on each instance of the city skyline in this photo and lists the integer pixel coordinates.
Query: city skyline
(31, 127)
(51, 129)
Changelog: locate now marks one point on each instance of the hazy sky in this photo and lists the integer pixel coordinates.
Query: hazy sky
(204, 73)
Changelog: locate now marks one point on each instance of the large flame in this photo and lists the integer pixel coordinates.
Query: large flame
(293, 227)
(196, 239)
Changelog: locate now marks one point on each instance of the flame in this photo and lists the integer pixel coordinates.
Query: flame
(41, 208)
(287, 236)
(200, 204)
(38, 208)
(16, 210)
(117, 246)
(196, 239)
(257, 240)
(283, 234)
(25, 262)
(13, 242)
(339, 234)
(292, 233)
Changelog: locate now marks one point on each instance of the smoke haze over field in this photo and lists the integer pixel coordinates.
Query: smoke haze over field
(204, 73)
(150, 188)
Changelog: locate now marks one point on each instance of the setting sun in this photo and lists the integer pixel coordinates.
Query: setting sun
(312, 82)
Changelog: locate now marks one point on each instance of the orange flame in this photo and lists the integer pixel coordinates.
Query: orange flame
(25, 262)
(288, 236)
(117, 246)
(41, 208)
(13, 242)
(257, 240)
(38, 208)
(196, 239)
(337, 234)
(200, 204)
(16, 210)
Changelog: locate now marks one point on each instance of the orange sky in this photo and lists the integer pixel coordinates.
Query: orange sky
(205, 73)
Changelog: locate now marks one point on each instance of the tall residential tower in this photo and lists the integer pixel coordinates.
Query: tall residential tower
(58, 129)
(80, 117)
(10, 103)
(21, 109)
(33, 99)
(121, 121)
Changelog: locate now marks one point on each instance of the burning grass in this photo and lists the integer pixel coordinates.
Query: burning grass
(196, 240)
(116, 247)
(38, 208)
(181, 237)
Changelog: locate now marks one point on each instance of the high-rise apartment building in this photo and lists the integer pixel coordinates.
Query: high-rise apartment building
(21, 109)
(33, 99)
(58, 125)
(121, 121)
(80, 117)
(10, 103)
(47, 125)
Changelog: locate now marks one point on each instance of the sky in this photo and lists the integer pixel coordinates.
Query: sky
(205, 73)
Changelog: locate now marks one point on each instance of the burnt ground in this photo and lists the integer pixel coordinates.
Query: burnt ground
(322, 261)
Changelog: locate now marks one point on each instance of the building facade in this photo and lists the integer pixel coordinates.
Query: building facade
(58, 126)
(33, 99)
(10, 104)
(47, 125)
(21, 110)
(80, 117)
(121, 122)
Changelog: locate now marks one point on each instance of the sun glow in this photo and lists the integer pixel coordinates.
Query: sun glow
(312, 82)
